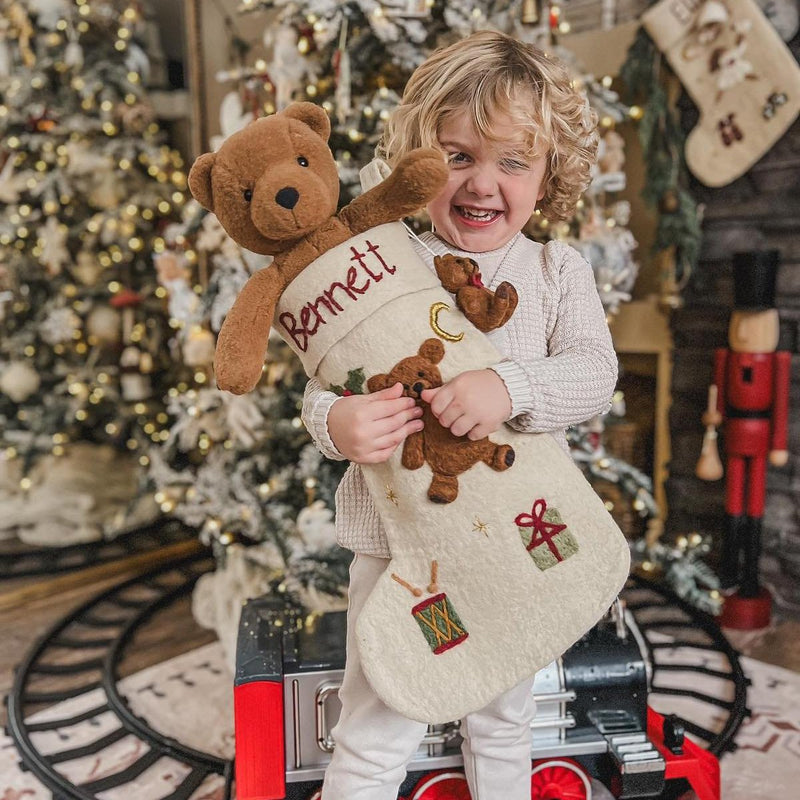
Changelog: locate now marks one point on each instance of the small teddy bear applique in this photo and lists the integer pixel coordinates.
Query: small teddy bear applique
(447, 455)
(484, 308)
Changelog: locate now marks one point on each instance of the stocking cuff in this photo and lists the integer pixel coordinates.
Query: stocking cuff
(517, 385)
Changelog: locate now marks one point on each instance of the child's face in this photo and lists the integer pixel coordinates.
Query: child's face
(492, 190)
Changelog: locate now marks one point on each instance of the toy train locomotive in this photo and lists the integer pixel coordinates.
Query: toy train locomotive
(592, 717)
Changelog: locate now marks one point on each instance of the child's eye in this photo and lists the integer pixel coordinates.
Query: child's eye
(457, 158)
(513, 165)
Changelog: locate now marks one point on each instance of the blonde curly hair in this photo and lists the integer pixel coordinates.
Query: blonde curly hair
(490, 73)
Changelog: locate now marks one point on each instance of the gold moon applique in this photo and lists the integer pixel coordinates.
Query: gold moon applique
(436, 309)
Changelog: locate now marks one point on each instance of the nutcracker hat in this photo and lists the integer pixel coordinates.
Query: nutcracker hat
(754, 275)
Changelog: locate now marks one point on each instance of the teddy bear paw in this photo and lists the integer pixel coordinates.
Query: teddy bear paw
(504, 457)
(421, 174)
(443, 489)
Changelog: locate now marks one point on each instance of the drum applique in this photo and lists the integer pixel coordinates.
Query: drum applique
(437, 618)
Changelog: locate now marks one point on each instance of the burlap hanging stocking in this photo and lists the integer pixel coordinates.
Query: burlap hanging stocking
(737, 69)
(502, 554)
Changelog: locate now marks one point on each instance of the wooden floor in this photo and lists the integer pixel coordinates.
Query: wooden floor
(29, 607)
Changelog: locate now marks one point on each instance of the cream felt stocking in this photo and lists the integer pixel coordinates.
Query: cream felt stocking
(739, 72)
(502, 554)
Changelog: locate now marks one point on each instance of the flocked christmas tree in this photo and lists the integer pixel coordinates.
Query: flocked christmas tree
(243, 469)
(87, 185)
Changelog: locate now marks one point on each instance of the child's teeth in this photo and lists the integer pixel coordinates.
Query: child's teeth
(477, 214)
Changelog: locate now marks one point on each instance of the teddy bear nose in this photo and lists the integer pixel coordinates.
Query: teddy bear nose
(287, 197)
(418, 387)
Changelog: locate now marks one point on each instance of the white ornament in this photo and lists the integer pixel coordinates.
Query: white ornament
(82, 161)
(232, 118)
(19, 381)
(316, 526)
(198, 349)
(287, 67)
(86, 268)
(137, 61)
(105, 324)
(73, 55)
(59, 326)
(11, 186)
(54, 246)
(49, 12)
(107, 191)
(134, 385)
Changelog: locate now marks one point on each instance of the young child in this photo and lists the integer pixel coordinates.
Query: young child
(517, 136)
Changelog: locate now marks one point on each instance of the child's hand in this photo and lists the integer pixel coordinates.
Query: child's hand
(475, 403)
(367, 428)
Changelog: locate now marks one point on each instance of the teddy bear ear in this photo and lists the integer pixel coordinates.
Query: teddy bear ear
(378, 382)
(312, 115)
(200, 180)
(432, 350)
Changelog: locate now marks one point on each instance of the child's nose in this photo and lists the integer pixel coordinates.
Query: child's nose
(481, 181)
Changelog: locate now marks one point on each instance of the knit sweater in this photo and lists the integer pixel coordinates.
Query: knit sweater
(559, 364)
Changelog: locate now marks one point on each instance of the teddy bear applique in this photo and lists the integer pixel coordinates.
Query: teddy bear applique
(446, 454)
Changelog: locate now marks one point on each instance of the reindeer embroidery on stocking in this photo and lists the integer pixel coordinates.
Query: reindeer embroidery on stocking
(447, 455)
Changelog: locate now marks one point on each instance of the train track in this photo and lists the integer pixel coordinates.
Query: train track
(84, 652)
(85, 649)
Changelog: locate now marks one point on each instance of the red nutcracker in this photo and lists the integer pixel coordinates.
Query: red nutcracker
(751, 382)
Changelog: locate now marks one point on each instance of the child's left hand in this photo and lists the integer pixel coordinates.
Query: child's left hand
(474, 403)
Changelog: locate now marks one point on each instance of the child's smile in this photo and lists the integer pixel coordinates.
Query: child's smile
(493, 188)
(478, 216)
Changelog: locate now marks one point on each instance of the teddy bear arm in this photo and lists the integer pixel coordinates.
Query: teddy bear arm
(414, 450)
(243, 338)
(415, 181)
(485, 309)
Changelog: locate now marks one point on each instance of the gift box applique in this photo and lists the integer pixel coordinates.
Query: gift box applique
(545, 535)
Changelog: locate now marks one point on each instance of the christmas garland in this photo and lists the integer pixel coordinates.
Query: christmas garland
(662, 139)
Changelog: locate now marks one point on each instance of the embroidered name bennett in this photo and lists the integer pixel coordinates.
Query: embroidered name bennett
(368, 269)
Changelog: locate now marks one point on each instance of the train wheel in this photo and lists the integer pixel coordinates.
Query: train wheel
(445, 785)
(559, 779)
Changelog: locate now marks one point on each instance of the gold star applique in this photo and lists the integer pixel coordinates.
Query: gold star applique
(481, 527)
(390, 495)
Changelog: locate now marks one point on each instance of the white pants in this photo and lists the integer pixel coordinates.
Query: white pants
(374, 743)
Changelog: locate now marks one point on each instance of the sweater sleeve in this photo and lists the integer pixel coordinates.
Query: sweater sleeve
(316, 404)
(576, 379)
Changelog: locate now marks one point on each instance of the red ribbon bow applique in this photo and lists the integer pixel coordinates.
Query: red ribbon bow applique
(475, 280)
(543, 531)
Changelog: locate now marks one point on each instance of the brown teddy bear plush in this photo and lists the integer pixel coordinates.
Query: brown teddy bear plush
(485, 309)
(275, 188)
(447, 455)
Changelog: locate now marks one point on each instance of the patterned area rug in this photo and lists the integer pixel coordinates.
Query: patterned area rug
(189, 698)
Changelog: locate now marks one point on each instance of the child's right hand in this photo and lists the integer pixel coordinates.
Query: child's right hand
(368, 428)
